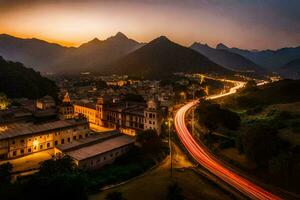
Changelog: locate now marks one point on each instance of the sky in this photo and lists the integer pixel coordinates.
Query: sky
(248, 24)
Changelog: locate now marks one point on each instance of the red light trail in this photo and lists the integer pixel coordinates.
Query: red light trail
(210, 162)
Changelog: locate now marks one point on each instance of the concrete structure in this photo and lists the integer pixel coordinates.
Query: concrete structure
(3, 102)
(66, 109)
(88, 110)
(20, 139)
(97, 150)
(45, 103)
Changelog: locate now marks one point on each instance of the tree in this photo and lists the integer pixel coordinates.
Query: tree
(5, 173)
(133, 97)
(174, 192)
(58, 166)
(114, 196)
(260, 143)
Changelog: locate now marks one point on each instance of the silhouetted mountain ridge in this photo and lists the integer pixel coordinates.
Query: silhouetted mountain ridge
(162, 57)
(227, 59)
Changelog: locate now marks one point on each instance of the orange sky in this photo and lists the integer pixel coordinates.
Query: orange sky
(72, 24)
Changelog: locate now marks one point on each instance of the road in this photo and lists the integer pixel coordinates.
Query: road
(209, 161)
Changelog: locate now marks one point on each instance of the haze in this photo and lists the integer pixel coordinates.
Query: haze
(248, 24)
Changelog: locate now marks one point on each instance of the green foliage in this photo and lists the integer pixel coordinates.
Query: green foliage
(175, 192)
(17, 81)
(261, 143)
(59, 166)
(212, 115)
(115, 196)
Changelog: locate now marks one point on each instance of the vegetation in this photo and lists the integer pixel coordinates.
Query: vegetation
(256, 130)
(69, 182)
(17, 81)
(133, 97)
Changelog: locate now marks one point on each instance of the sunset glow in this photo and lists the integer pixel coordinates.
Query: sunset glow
(72, 23)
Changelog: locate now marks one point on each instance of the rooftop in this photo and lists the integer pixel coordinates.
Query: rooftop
(19, 129)
(100, 148)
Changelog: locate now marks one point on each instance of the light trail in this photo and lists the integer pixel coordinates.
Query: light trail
(209, 161)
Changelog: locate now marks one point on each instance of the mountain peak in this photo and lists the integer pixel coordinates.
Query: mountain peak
(95, 40)
(221, 46)
(120, 35)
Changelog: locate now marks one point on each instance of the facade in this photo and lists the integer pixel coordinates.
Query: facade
(3, 102)
(66, 109)
(96, 151)
(45, 103)
(87, 110)
(20, 139)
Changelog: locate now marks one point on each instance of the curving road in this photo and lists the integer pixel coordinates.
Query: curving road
(209, 161)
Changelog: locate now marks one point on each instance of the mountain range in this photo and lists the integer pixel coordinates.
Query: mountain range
(119, 54)
(270, 59)
(161, 56)
(230, 60)
(291, 69)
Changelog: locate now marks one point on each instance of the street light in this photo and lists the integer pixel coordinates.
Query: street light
(170, 119)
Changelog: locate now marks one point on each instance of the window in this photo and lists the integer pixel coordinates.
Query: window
(22, 141)
(22, 151)
(62, 141)
(48, 145)
(41, 146)
(86, 135)
(56, 142)
(74, 137)
(13, 142)
(29, 150)
(80, 136)
(69, 139)
(104, 158)
(14, 153)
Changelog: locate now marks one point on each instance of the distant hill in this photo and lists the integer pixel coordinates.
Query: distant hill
(284, 91)
(291, 69)
(227, 59)
(93, 55)
(271, 59)
(47, 57)
(17, 81)
(162, 57)
(38, 54)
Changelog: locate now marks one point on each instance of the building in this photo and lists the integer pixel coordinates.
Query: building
(66, 109)
(97, 150)
(45, 103)
(20, 139)
(88, 110)
(3, 102)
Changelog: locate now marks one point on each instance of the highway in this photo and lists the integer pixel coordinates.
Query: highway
(200, 153)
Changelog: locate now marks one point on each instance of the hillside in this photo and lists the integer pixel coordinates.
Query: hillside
(227, 59)
(93, 55)
(291, 69)
(284, 91)
(162, 57)
(270, 59)
(17, 81)
(38, 54)
(53, 58)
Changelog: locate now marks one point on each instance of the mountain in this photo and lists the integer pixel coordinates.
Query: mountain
(162, 57)
(227, 59)
(34, 53)
(95, 54)
(291, 69)
(270, 59)
(48, 57)
(17, 81)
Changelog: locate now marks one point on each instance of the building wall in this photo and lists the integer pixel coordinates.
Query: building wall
(102, 159)
(89, 113)
(25, 145)
(66, 112)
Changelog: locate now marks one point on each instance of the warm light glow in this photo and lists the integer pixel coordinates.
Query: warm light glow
(35, 143)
